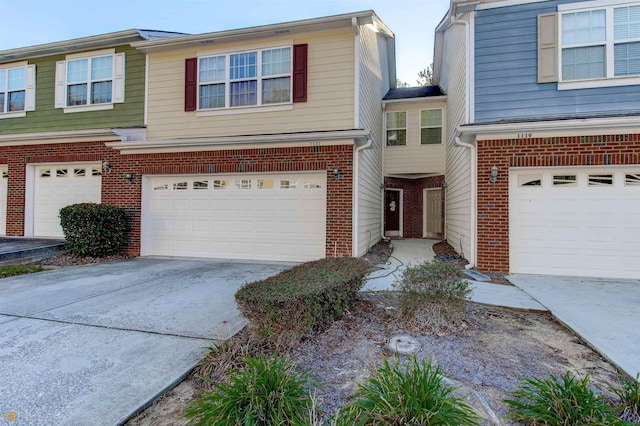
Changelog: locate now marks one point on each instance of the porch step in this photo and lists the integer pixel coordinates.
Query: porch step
(19, 251)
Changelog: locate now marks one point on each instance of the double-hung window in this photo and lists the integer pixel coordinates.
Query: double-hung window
(396, 125)
(90, 81)
(260, 77)
(17, 89)
(600, 43)
(431, 126)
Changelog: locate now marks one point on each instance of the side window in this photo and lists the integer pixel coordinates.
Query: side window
(396, 124)
(431, 126)
(17, 90)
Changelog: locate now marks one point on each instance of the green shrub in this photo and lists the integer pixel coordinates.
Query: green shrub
(414, 395)
(558, 401)
(629, 394)
(93, 229)
(283, 308)
(265, 392)
(431, 296)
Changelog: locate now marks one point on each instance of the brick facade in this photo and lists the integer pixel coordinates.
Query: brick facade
(493, 198)
(413, 202)
(116, 190)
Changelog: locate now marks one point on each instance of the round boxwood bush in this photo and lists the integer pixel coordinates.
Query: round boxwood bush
(94, 229)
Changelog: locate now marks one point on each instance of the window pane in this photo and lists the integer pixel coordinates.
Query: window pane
(243, 65)
(101, 92)
(396, 137)
(16, 101)
(583, 62)
(431, 117)
(102, 68)
(396, 120)
(77, 71)
(583, 27)
(626, 22)
(276, 61)
(77, 94)
(3, 76)
(2, 102)
(212, 69)
(16, 80)
(212, 96)
(431, 135)
(627, 59)
(244, 93)
(275, 90)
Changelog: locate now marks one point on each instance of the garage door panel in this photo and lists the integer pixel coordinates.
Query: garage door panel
(269, 217)
(577, 229)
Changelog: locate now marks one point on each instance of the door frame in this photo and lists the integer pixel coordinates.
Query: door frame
(425, 234)
(397, 233)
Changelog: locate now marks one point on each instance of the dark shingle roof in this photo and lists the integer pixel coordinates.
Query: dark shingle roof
(413, 92)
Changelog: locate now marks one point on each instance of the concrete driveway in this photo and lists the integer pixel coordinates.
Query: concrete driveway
(92, 344)
(605, 313)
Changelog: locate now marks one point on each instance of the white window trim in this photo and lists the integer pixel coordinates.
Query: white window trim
(30, 89)
(117, 81)
(442, 120)
(386, 128)
(610, 80)
(259, 78)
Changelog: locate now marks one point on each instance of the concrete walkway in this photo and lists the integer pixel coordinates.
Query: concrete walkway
(605, 313)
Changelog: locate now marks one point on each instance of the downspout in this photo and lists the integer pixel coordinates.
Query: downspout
(356, 184)
(472, 147)
(356, 125)
(382, 187)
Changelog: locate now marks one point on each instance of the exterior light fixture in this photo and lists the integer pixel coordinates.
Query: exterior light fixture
(129, 177)
(336, 174)
(106, 166)
(493, 176)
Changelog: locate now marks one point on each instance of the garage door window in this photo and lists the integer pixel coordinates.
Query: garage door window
(265, 183)
(243, 183)
(45, 173)
(632, 179)
(180, 186)
(565, 180)
(219, 184)
(79, 172)
(161, 187)
(62, 173)
(201, 184)
(288, 184)
(529, 180)
(600, 180)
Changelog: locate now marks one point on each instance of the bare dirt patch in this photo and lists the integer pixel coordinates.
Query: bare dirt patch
(485, 360)
(446, 253)
(66, 260)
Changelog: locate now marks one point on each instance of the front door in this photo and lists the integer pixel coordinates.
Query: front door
(433, 210)
(392, 213)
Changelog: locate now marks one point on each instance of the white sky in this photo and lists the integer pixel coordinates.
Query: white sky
(30, 22)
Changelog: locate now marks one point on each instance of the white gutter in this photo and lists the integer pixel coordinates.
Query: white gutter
(474, 201)
(356, 188)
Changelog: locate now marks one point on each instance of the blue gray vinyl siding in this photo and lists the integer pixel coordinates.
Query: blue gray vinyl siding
(506, 86)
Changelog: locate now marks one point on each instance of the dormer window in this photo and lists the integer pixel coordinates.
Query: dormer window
(90, 81)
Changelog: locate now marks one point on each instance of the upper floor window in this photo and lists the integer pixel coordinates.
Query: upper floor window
(89, 81)
(430, 126)
(599, 43)
(396, 125)
(274, 76)
(260, 77)
(17, 90)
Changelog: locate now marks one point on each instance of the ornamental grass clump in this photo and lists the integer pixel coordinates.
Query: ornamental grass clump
(629, 395)
(431, 297)
(414, 394)
(280, 310)
(560, 401)
(266, 391)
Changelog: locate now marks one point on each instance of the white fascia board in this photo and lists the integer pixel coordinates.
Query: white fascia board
(541, 129)
(505, 3)
(423, 99)
(58, 137)
(229, 142)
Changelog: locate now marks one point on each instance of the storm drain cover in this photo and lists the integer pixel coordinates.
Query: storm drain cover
(404, 344)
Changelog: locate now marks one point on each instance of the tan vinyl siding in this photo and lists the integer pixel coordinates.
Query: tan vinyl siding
(415, 157)
(374, 83)
(46, 118)
(458, 160)
(329, 106)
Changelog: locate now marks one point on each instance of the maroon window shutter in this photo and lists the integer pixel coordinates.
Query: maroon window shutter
(300, 73)
(191, 84)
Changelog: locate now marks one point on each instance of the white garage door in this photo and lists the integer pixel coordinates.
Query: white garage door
(576, 221)
(3, 199)
(262, 217)
(57, 186)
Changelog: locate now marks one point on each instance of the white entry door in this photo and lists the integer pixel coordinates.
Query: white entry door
(576, 221)
(261, 217)
(59, 185)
